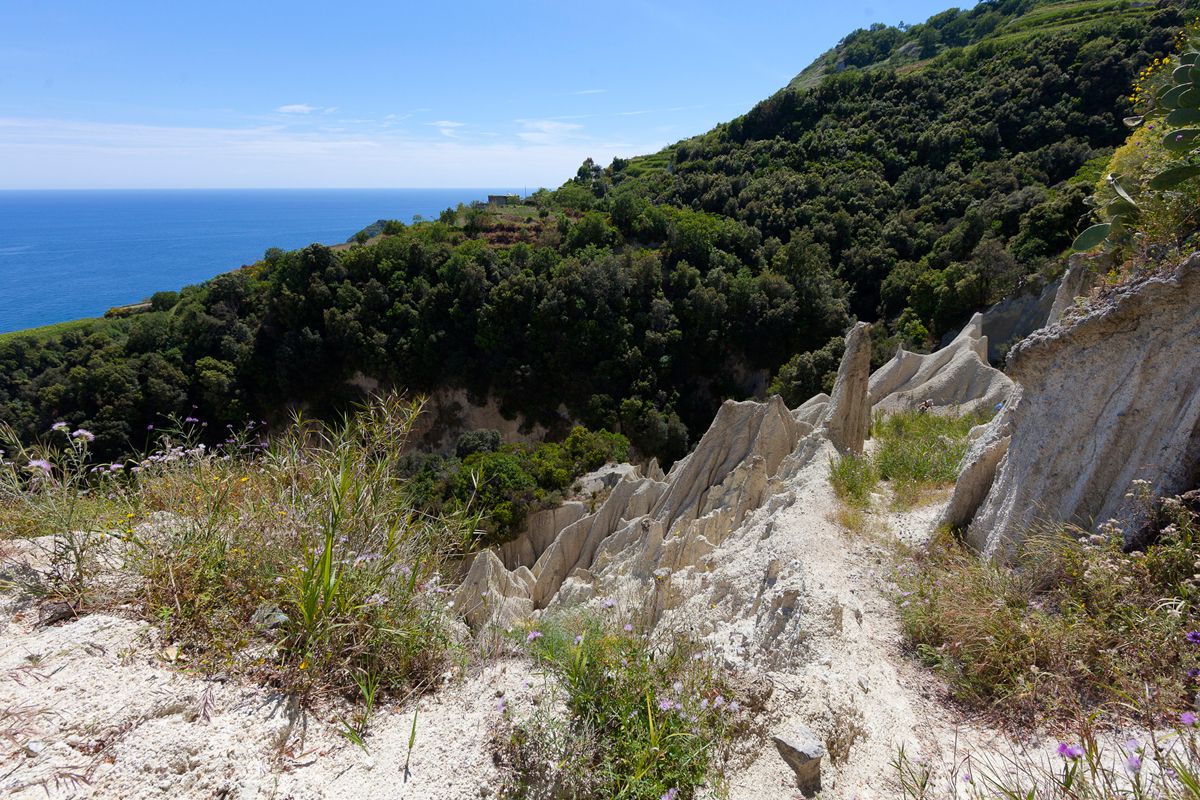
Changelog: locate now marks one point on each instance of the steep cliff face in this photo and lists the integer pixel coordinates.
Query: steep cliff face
(1107, 395)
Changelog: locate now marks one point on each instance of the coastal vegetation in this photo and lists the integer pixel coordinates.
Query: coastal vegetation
(300, 560)
(641, 721)
(908, 189)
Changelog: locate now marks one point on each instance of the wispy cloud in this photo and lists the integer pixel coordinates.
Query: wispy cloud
(546, 131)
(297, 108)
(590, 91)
(56, 153)
(642, 111)
(447, 127)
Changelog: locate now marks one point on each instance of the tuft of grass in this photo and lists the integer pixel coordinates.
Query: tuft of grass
(918, 452)
(300, 558)
(854, 477)
(1159, 764)
(631, 721)
(304, 559)
(1075, 623)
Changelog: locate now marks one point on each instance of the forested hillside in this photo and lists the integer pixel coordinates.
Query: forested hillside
(910, 175)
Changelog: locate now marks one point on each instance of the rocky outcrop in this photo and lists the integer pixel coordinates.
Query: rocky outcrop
(1109, 395)
(802, 751)
(989, 444)
(491, 595)
(653, 538)
(745, 439)
(541, 529)
(1014, 318)
(957, 379)
(576, 545)
(1083, 272)
(849, 418)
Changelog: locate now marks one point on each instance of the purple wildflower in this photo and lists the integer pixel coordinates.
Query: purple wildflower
(735, 707)
(501, 705)
(718, 701)
(42, 464)
(84, 434)
(579, 640)
(669, 794)
(190, 419)
(677, 686)
(666, 704)
(1070, 751)
(1193, 637)
(533, 635)
(609, 602)
(1133, 761)
(60, 426)
(150, 427)
(628, 627)
(1188, 718)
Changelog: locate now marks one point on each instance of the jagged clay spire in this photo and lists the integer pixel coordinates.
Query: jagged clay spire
(850, 407)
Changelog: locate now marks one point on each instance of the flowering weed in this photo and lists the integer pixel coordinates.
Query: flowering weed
(632, 720)
(1076, 622)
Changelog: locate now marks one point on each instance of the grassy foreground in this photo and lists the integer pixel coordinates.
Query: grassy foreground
(916, 453)
(297, 558)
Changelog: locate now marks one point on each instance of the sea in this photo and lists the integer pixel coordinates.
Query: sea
(65, 255)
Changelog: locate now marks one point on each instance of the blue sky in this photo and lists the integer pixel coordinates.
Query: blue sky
(259, 93)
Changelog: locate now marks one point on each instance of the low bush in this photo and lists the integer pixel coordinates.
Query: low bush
(627, 719)
(854, 477)
(300, 560)
(503, 483)
(1074, 624)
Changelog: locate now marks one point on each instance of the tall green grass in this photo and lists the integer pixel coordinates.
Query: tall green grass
(854, 478)
(1076, 624)
(299, 558)
(916, 453)
(625, 719)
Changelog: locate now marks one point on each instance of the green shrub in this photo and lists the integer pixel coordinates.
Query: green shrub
(641, 722)
(854, 477)
(921, 451)
(504, 483)
(481, 441)
(1074, 623)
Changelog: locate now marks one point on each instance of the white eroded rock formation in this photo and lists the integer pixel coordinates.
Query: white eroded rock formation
(1107, 395)
(654, 541)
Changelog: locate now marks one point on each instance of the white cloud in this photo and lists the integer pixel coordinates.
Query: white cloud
(297, 108)
(447, 127)
(546, 131)
(55, 153)
(590, 91)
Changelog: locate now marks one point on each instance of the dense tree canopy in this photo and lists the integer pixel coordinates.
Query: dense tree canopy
(931, 170)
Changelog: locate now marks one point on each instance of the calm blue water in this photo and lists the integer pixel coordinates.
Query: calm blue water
(71, 254)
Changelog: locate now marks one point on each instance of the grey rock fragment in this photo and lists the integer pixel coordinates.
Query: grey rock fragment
(803, 752)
